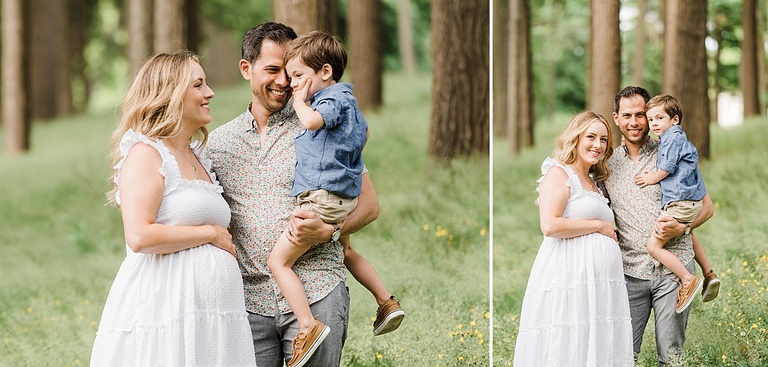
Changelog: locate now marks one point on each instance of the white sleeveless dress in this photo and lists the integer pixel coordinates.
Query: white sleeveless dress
(576, 311)
(180, 309)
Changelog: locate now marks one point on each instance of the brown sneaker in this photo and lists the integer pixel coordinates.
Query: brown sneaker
(388, 317)
(686, 293)
(711, 287)
(305, 344)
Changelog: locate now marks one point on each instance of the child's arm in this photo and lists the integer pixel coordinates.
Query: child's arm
(649, 178)
(310, 119)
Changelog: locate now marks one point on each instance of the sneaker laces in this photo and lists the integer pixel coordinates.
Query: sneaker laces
(299, 339)
(682, 290)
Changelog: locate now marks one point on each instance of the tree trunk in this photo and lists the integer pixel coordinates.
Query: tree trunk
(307, 15)
(405, 36)
(519, 114)
(169, 30)
(605, 60)
(15, 118)
(685, 67)
(526, 77)
(48, 85)
(748, 67)
(638, 59)
(221, 55)
(81, 16)
(460, 78)
(501, 66)
(191, 25)
(366, 52)
(761, 63)
(64, 104)
(139, 33)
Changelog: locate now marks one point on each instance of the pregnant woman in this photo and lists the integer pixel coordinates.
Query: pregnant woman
(575, 311)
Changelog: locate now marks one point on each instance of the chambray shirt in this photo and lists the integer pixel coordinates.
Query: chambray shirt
(257, 182)
(636, 211)
(680, 158)
(330, 158)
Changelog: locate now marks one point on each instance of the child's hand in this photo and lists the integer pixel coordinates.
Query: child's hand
(643, 180)
(301, 93)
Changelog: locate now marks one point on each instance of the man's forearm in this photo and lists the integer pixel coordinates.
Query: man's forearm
(367, 209)
(707, 210)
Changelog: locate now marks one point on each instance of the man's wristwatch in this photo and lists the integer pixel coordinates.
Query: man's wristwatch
(687, 228)
(336, 232)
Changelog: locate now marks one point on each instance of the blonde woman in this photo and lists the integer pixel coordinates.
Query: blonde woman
(177, 299)
(575, 311)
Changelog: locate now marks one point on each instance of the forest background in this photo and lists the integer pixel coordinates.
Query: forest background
(567, 56)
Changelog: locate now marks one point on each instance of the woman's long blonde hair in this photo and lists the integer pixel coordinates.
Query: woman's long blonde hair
(153, 106)
(568, 139)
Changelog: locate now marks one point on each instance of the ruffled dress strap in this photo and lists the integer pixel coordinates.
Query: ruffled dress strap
(573, 180)
(169, 169)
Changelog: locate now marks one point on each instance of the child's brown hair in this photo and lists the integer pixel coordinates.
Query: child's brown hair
(669, 104)
(316, 49)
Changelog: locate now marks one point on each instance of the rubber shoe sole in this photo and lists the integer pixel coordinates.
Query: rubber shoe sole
(313, 347)
(391, 323)
(713, 288)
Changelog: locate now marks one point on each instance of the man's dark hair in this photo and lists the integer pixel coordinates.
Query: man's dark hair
(275, 32)
(628, 92)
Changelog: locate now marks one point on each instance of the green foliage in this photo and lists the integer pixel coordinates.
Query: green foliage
(559, 35)
(61, 246)
(237, 15)
(731, 330)
(559, 41)
(106, 64)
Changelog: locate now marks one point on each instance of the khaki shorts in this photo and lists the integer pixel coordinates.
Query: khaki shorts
(330, 207)
(685, 211)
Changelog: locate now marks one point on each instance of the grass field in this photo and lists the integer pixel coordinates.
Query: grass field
(731, 330)
(60, 246)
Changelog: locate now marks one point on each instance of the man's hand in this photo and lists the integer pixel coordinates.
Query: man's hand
(306, 228)
(667, 228)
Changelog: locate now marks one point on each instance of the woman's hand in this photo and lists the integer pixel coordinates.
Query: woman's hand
(223, 240)
(607, 229)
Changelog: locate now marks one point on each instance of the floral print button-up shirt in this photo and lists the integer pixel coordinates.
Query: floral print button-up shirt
(636, 211)
(257, 182)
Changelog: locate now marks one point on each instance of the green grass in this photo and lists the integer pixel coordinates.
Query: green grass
(60, 246)
(731, 330)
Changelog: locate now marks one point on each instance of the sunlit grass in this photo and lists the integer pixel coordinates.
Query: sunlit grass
(731, 330)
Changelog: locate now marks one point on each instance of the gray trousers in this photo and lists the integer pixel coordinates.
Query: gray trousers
(272, 335)
(660, 295)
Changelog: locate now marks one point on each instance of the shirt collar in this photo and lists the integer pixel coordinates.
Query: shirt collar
(649, 147)
(276, 118)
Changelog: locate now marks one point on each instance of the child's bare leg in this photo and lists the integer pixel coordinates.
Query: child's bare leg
(280, 262)
(364, 272)
(657, 250)
(700, 255)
